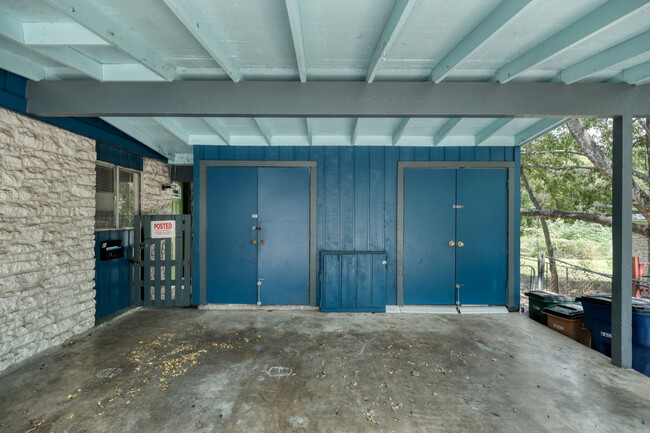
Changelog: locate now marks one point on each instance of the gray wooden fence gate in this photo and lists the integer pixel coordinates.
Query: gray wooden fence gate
(162, 261)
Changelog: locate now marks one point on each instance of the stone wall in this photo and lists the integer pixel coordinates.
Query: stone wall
(640, 247)
(47, 208)
(155, 200)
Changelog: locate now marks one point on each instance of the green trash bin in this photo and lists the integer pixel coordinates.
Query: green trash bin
(538, 300)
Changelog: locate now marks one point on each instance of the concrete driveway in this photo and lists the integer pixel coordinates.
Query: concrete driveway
(187, 370)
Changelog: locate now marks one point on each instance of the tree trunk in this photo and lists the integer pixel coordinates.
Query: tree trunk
(547, 235)
(589, 146)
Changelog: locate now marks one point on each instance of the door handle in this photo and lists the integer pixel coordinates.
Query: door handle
(253, 242)
(460, 244)
(451, 243)
(262, 242)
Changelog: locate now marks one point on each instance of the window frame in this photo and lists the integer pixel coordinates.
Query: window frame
(137, 184)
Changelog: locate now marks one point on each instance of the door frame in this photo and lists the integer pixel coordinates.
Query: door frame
(203, 167)
(510, 166)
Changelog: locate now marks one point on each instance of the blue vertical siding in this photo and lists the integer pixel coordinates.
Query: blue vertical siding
(113, 277)
(357, 192)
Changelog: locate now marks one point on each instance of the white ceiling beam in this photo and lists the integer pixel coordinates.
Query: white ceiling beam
(500, 16)
(293, 9)
(489, 130)
(194, 17)
(399, 131)
(116, 33)
(394, 24)
(12, 29)
(57, 34)
(264, 130)
(74, 59)
(637, 75)
(355, 131)
(207, 140)
(591, 24)
(310, 131)
(445, 130)
(21, 66)
(174, 128)
(218, 127)
(611, 57)
(125, 125)
(538, 129)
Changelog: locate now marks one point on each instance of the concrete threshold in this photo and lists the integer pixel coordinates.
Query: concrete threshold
(249, 307)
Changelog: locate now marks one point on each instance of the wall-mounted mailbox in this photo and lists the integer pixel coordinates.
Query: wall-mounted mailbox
(112, 249)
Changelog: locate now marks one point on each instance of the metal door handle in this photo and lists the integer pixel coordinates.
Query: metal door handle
(262, 242)
(460, 244)
(451, 243)
(253, 241)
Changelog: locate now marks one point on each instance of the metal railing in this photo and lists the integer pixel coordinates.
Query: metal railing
(572, 280)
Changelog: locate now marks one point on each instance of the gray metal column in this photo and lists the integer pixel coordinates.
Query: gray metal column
(622, 242)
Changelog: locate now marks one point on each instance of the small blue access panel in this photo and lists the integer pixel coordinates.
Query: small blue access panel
(257, 232)
(455, 236)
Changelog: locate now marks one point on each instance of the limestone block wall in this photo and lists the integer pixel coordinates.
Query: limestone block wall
(641, 247)
(47, 208)
(155, 200)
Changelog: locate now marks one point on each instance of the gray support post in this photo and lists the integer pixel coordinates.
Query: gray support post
(622, 242)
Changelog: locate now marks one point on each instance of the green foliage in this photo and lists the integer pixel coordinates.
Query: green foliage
(571, 240)
(570, 189)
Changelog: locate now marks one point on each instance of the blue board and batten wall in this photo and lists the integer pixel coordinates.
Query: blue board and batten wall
(356, 196)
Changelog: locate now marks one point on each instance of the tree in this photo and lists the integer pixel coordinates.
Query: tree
(567, 174)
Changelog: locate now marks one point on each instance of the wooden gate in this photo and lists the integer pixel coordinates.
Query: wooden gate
(162, 261)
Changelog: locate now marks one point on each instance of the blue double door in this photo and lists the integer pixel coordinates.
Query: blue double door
(257, 232)
(455, 236)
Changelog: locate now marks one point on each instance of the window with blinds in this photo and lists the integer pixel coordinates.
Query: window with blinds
(117, 197)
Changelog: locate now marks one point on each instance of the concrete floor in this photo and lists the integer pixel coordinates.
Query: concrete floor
(187, 370)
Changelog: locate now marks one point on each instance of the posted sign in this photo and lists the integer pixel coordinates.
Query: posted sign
(163, 229)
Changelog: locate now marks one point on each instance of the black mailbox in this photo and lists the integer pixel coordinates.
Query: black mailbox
(110, 250)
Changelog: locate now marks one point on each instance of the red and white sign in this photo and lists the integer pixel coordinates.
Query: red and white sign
(163, 229)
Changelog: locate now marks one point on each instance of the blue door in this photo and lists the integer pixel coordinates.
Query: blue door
(482, 228)
(429, 226)
(283, 245)
(257, 231)
(231, 262)
(455, 236)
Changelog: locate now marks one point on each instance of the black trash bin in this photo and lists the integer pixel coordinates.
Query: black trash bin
(540, 300)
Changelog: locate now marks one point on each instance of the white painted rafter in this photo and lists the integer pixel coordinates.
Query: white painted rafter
(12, 29)
(538, 129)
(264, 130)
(611, 57)
(596, 21)
(489, 130)
(194, 18)
(500, 16)
(58, 34)
(394, 24)
(293, 9)
(355, 131)
(116, 33)
(445, 130)
(310, 131)
(174, 127)
(217, 126)
(400, 130)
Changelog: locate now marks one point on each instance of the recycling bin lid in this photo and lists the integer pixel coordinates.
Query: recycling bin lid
(639, 305)
(566, 311)
(547, 296)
